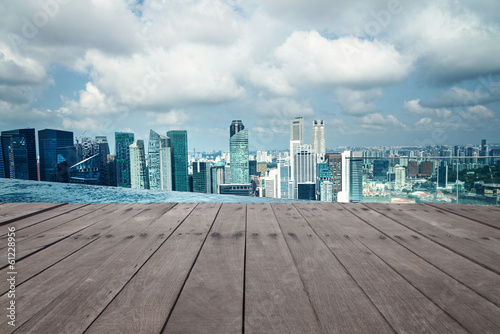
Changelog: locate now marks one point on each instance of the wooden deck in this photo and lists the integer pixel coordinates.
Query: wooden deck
(252, 268)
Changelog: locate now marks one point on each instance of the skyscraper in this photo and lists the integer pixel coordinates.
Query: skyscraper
(165, 164)
(103, 147)
(138, 169)
(319, 145)
(400, 177)
(123, 140)
(352, 177)
(19, 154)
(49, 141)
(335, 164)
(154, 167)
(238, 148)
(179, 156)
(296, 140)
(201, 177)
(305, 167)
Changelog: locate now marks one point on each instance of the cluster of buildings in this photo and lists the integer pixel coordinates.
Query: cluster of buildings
(305, 171)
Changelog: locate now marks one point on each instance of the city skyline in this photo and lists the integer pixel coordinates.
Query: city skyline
(381, 73)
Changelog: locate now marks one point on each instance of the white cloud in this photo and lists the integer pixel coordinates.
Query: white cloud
(172, 117)
(309, 58)
(423, 123)
(481, 112)
(414, 107)
(378, 122)
(453, 42)
(358, 102)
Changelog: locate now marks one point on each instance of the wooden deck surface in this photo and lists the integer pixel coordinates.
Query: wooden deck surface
(252, 268)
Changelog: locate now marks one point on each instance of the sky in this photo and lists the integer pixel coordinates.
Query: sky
(378, 72)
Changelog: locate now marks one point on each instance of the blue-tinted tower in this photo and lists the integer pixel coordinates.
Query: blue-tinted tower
(49, 141)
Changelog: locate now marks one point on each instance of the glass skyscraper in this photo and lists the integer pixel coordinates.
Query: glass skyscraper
(18, 154)
(123, 140)
(159, 162)
(179, 149)
(201, 177)
(238, 148)
(49, 141)
(138, 170)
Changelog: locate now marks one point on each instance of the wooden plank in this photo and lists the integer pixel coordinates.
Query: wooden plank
(41, 217)
(339, 303)
(212, 299)
(402, 305)
(25, 210)
(147, 300)
(77, 307)
(465, 306)
(488, 215)
(42, 290)
(39, 235)
(458, 226)
(36, 263)
(474, 252)
(481, 280)
(275, 298)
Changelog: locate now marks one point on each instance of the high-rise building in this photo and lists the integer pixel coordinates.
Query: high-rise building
(105, 173)
(165, 163)
(319, 144)
(326, 191)
(283, 179)
(238, 148)
(201, 177)
(217, 176)
(262, 168)
(323, 173)
(179, 149)
(352, 177)
(380, 169)
(138, 170)
(123, 140)
(154, 166)
(335, 164)
(412, 168)
(252, 167)
(306, 191)
(426, 168)
(442, 176)
(304, 167)
(400, 174)
(18, 154)
(296, 141)
(49, 141)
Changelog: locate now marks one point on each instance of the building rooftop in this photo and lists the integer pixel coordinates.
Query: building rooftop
(252, 268)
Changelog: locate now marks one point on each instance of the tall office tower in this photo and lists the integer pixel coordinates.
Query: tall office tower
(319, 144)
(252, 167)
(154, 167)
(335, 164)
(323, 173)
(165, 164)
(18, 154)
(179, 149)
(283, 179)
(138, 169)
(103, 149)
(296, 140)
(304, 168)
(400, 180)
(49, 141)
(352, 177)
(483, 147)
(442, 176)
(238, 148)
(271, 184)
(201, 177)
(123, 140)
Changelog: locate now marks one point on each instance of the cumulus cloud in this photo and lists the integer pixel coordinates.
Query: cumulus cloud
(481, 112)
(171, 117)
(309, 58)
(452, 42)
(414, 107)
(356, 102)
(378, 122)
